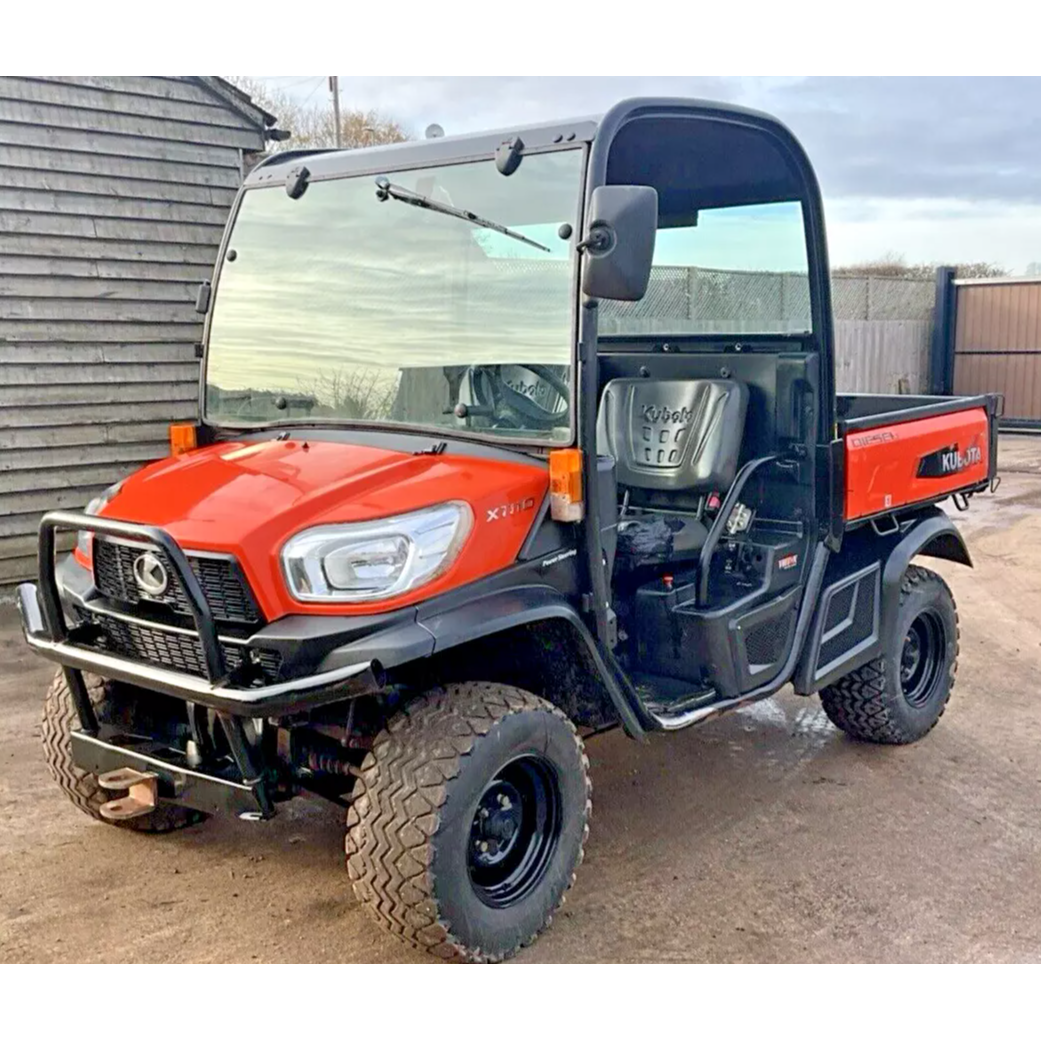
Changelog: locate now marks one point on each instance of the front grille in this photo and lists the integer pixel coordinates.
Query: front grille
(222, 582)
(179, 651)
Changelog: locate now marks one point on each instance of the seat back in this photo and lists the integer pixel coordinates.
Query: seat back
(673, 435)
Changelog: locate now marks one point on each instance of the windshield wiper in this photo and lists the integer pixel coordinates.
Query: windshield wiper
(385, 190)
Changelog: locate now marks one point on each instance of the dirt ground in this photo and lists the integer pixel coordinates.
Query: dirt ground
(764, 836)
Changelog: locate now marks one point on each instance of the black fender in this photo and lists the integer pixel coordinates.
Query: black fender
(495, 612)
(931, 534)
(517, 606)
(871, 565)
(463, 617)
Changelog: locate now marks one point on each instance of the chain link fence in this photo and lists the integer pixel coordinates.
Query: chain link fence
(685, 299)
(876, 298)
(883, 331)
(883, 325)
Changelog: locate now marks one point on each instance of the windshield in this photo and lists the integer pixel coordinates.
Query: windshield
(346, 304)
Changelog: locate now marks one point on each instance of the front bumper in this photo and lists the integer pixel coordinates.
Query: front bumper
(325, 660)
(178, 784)
(273, 699)
(333, 659)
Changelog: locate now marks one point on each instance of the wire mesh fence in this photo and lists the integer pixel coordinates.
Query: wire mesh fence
(881, 298)
(883, 325)
(686, 299)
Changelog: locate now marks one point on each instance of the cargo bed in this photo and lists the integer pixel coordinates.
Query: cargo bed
(902, 450)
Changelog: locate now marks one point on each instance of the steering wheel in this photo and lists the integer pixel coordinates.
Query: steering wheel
(503, 392)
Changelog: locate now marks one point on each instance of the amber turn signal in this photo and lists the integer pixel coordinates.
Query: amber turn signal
(565, 485)
(182, 438)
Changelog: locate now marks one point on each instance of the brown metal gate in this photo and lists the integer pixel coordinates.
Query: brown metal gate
(997, 343)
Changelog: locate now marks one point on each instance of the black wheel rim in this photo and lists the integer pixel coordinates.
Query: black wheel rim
(515, 831)
(921, 658)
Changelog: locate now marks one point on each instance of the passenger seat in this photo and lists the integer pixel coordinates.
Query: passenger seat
(674, 442)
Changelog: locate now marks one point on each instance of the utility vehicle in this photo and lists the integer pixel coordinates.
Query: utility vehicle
(504, 440)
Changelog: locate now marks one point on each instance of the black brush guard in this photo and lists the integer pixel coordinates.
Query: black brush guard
(99, 749)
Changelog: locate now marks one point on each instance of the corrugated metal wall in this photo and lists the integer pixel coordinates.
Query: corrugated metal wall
(997, 343)
(114, 192)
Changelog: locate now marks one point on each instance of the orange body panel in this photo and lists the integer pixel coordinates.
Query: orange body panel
(922, 459)
(248, 498)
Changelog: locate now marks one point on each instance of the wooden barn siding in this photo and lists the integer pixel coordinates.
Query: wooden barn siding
(114, 192)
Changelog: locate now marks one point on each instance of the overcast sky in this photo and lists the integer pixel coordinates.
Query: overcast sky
(934, 169)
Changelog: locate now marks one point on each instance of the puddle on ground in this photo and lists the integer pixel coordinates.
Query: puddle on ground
(806, 725)
(766, 711)
(811, 721)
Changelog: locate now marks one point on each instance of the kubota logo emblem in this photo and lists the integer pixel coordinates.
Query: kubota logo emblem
(949, 460)
(664, 414)
(150, 574)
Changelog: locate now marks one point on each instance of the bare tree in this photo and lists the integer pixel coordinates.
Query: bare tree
(313, 125)
(352, 393)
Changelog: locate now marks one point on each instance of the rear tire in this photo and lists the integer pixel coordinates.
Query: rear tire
(899, 697)
(470, 821)
(59, 720)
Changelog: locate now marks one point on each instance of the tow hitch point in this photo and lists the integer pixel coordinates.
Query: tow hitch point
(142, 791)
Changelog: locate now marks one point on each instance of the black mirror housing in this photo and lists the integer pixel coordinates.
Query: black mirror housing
(619, 242)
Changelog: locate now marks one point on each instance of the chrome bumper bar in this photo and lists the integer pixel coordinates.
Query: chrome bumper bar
(272, 699)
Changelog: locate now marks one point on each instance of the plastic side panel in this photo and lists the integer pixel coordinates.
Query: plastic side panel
(918, 461)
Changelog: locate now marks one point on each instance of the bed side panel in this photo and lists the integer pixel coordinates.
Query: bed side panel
(899, 464)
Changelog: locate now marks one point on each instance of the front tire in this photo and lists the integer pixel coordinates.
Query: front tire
(470, 821)
(899, 697)
(82, 788)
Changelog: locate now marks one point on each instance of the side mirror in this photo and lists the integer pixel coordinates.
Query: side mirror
(619, 242)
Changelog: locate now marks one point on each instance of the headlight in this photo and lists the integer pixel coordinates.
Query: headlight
(374, 560)
(93, 508)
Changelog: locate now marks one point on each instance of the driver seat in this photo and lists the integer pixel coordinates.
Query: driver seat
(673, 443)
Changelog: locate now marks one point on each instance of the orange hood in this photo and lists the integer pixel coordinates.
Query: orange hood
(248, 497)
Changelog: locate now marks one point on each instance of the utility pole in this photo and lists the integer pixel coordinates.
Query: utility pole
(334, 87)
